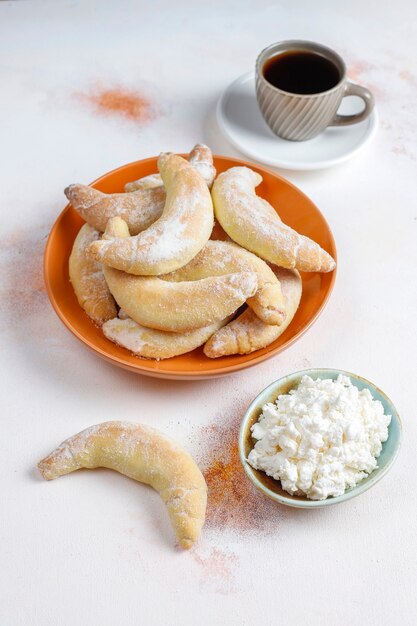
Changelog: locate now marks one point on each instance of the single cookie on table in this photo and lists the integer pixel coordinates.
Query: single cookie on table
(247, 332)
(87, 278)
(221, 257)
(149, 343)
(146, 455)
(253, 223)
(200, 157)
(176, 237)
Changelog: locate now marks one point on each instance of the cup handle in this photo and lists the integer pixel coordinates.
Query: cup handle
(351, 89)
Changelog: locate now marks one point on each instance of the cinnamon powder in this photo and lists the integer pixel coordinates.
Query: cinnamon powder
(131, 105)
(23, 288)
(218, 569)
(233, 502)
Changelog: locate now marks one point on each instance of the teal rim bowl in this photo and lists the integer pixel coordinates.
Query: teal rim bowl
(271, 487)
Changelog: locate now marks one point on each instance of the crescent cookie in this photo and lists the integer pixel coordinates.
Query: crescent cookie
(200, 157)
(252, 222)
(140, 209)
(87, 278)
(183, 306)
(220, 257)
(146, 182)
(158, 306)
(146, 455)
(177, 236)
(247, 332)
(156, 344)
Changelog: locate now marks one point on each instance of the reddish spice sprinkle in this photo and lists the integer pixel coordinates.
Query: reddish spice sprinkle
(24, 287)
(117, 101)
(233, 502)
(217, 563)
(218, 569)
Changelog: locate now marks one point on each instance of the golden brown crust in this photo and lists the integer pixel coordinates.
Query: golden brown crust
(247, 332)
(87, 278)
(146, 455)
(200, 157)
(183, 306)
(149, 343)
(221, 257)
(176, 237)
(253, 223)
(146, 182)
(139, 209)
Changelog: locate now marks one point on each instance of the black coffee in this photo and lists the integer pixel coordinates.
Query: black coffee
(298, 71)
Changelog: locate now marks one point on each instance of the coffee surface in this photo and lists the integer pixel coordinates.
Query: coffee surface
(301, 72)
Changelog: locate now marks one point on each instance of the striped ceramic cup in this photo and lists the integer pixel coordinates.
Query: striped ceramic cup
(300, 116)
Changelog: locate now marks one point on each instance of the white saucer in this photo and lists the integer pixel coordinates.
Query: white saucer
(241, 121)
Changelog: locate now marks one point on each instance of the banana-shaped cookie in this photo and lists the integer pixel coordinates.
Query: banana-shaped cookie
(175, 306)
(200, 157)
(179, 307)
(247, 332)
(252, 222)
(87, 278)
(146, 182)
(220, 257)
(156, 344)
(146, 455)
(177, 236)
(143, 206)
(140, 209)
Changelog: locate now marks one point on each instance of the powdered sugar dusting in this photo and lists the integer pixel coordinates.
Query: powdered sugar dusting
(139, 209)
(156, 344)
(144, 454)
(166, 243)
(179, 306)
(102, 445)
(218, 258)
(146, 182)
(245, 284)
(126, 333)
(88, 280)
(247, 332)
(175, 238)
(253, 223)
(249, 218)
(206, 169)
(201, 158)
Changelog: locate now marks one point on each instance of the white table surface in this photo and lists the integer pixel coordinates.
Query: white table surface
(95, 547)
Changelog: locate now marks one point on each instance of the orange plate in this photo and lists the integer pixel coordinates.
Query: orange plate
(294, 208)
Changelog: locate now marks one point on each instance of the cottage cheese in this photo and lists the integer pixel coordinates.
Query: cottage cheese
(321, 438)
